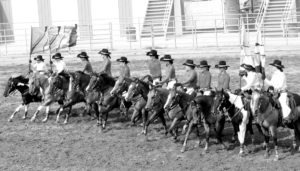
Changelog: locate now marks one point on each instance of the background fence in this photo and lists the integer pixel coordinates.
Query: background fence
(217, 33)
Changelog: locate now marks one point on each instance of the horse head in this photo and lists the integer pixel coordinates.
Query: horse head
(173, 98)
(221, 101)
(55, 83)
(156, 98)
(10, 87)
(137, 87)
(94, 82)
(121, 85)
(262, 104)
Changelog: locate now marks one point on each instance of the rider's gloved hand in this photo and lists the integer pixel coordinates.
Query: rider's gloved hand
(30, 61)
(238, 91)
(242, 73)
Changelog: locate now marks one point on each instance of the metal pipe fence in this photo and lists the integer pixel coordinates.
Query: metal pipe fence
(194, 33)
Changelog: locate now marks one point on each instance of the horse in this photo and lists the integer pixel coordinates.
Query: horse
(269, 118)
(201, 110)
(156, 99)
(137, 94)
(177, 99)
(55, 91)
(19, 83)
(76, 93)
(239, 115)
(103, 84)
(120, 87)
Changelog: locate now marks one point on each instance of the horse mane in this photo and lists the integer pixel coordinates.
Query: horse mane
(21, 78)
(108, 79)
(148, 77)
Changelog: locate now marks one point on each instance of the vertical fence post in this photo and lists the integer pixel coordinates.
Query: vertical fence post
(196, 34)
(216, 32)
(175, 35)
(152, 36)
(140, 34)
(5, 41)
(111, 35)
(90, 35)
(26, 41)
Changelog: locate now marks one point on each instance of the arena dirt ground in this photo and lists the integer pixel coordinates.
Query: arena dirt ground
(80, 145)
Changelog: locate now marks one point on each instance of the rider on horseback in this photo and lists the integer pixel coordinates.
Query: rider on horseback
(124, 69)
(278, 81)
(106, 68)
(40, 66)
(170, 72)
(223, 77)
(191, 77)
(60, 66)
(204, 78)
(87, 65)
(154, 66)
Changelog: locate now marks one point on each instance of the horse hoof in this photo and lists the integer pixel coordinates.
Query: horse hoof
(182, 150)
(242, 154)
(266, 156)
(44, 120)
(65, 122)
(32, 119)
(24, 117)
(276, 158)
(204, 152)
(10, 120)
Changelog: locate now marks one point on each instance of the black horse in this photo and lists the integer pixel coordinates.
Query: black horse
(19, 83)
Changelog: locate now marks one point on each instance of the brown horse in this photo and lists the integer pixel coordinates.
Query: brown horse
(269, 118)
(19, 83)
(103, 84)
(157, 97)
(137, 94)
(176, 107)
(56, 92)
(201, 110)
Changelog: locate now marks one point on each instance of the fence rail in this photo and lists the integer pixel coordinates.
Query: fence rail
(195, 33)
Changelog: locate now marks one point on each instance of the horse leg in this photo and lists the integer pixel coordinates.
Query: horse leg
(47, 114)
(68, 115)
(172, 126)
(219, 129)
(152, 118)
(267, 138)
(187, 136)
(26, 111)
(162, 118)
(36, 113)
(135, 116)
(242, 131)
(145, 118)
(235, 131)
(16, 111)
(207, 131)
(273, 131)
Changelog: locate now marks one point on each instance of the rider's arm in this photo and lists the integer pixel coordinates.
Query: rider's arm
(207, 81)
(168, 76)
(190, 78)
(226, 81)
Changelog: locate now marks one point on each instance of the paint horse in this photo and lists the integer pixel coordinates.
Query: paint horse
(19, 83)
(269, 117)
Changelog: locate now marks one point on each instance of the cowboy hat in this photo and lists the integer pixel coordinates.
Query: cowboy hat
(152, 53)
(57, 56)
(203, 64)
(82, 55)
(248, 67)
(166, 58)
(39, 58)
(277, 63)
(222, 64)
(123, 59)
(189, 62)
(104, 52)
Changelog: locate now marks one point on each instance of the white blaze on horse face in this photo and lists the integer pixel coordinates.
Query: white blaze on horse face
(168, 100)
(254, 101)
(128, 94)
(70, 84)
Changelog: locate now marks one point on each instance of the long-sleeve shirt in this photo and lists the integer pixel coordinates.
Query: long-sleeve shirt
(125, 71)
(204, 80)
(252, 81)
(60, 66)
(107, 67)
(170, 74)
(223, 81)
(87, 67)
(155, 68)
(278, 81)
(191, 79)
(40, 67)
